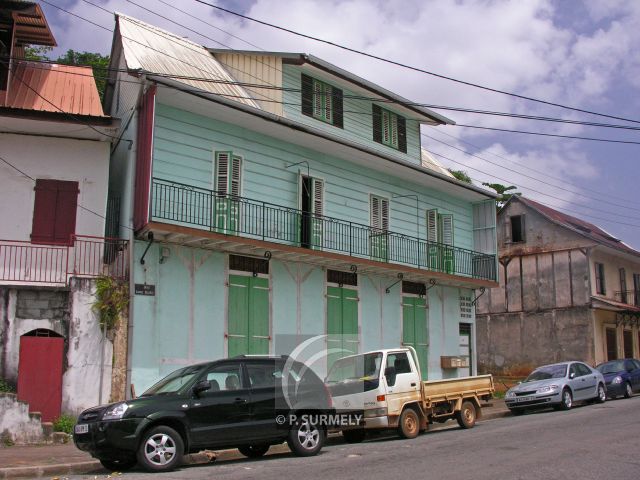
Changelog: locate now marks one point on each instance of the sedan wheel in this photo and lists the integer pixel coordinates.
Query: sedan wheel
(627, 390)
(602, 394)
(567, 400)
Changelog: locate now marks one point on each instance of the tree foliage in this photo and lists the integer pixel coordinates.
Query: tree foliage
(504, 192)
(461, 175)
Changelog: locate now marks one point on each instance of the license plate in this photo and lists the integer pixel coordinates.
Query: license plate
(525, 399)
(82, 428)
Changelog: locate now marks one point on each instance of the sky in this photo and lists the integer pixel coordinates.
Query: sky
(578, 53)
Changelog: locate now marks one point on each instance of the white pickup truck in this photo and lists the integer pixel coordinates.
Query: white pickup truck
(387, 385)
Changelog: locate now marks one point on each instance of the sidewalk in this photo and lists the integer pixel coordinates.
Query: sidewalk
(60, 460)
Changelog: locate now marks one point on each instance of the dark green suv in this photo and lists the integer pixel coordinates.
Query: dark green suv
(247, 403)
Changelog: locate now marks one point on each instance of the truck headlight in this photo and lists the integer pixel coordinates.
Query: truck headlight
(618, 379)
(115, 412)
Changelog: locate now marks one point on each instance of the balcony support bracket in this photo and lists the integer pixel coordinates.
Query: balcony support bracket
(150, 238)
(482, 290)
(400, 277)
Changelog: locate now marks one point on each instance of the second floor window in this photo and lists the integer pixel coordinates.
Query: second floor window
(322, 101)
(600, 286)
(54, 211)
(439, 227)
(623, 285)
(389, 128)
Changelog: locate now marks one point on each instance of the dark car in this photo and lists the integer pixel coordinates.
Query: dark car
(234, 403)
(622, 377)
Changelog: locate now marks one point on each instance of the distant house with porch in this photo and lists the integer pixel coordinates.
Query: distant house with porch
(54, 168)
(568, 291)
(274, 197)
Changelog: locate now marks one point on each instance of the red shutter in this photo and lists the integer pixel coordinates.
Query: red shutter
(54, 211)
(66, 209)
(44, 211)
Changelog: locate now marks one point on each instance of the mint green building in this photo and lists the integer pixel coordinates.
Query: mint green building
(273, 195)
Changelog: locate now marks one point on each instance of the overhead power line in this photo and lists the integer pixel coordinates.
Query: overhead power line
(416, 69)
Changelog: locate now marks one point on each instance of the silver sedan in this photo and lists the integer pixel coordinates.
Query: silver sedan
(558, 385)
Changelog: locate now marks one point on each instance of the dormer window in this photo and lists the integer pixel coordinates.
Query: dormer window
(321, 101)
(389, 128)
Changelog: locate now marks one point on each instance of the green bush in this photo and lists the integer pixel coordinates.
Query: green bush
(6, 387)
(64, 423)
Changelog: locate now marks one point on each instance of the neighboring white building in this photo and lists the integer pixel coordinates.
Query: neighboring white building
(55, 144)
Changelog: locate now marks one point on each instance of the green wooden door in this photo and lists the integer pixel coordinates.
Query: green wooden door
(414, 329)
(227, 184)
(379, 236)
(248, 331)
(342, 323)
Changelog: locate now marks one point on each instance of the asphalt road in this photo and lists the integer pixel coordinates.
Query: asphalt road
(587, 442)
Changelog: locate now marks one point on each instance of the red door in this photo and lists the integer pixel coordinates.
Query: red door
(40, 374)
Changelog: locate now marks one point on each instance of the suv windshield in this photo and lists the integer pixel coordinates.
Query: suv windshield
(546, 372)
(357, 367)
(611, 367)
(173, 382)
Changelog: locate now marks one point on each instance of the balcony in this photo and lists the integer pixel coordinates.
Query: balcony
(630, 297)
(25, 263)
(208, 210)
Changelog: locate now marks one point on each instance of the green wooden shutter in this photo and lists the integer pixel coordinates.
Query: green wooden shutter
(433, 253)
(377, 123)
(415, 330)
(307, 94)
(248, 316)
(317, 210)
(402, 134)
(338, 120)
(446, 225)
(258, 328)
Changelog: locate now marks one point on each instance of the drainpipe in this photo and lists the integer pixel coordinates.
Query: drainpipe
(104, 337)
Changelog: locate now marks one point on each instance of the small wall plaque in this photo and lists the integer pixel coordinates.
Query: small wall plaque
(144, 289)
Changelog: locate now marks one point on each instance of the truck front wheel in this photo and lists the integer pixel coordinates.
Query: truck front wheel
(409, 424)
(466, 417)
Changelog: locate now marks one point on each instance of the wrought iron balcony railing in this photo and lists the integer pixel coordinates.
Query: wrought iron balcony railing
(232, 215)
(630, 297)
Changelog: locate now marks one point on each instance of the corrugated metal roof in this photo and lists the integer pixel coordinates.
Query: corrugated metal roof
(429, 161)
(587, 229)
(70, 88)
(31, 27)
(152, 49)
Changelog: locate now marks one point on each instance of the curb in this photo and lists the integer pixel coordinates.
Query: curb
(50, 470)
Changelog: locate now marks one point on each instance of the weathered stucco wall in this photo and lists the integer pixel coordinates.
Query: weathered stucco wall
(515, 343)
(16, 425)
(68, 312)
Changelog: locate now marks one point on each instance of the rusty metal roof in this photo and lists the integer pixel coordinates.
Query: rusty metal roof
(582, 227)
(31, 27)
(151, 49)
(60, 88)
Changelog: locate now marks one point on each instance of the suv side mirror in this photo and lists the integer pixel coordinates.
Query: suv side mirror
(201, 386)
(390, 375)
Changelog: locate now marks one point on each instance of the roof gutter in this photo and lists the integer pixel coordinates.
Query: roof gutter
(309, 130)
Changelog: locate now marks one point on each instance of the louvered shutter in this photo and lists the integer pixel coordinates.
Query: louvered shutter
(375, 213)
(384, 214)
(507, 230)
(236, 169)
(447, 229)
(328, 103)
(377, 123)
(385, 126)
(402, 134)
(338, 120)
(393, 129)
(307, 95)
(318, 197)
(318, 93)
(222, 173)
(44, 211)
(432, 225)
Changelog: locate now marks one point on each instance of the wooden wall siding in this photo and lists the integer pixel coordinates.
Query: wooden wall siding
(358, 123)
(257, 69)
(183, 152)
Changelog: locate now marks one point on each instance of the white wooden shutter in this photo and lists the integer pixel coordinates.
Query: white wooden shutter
(393, 128)
(432, 225)
(318, 197)
(447, 229)
(222, 172)
(236, 172)
(317, 99)
(375, 212)
(385, 126)
(384, 213)
(328, 103)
